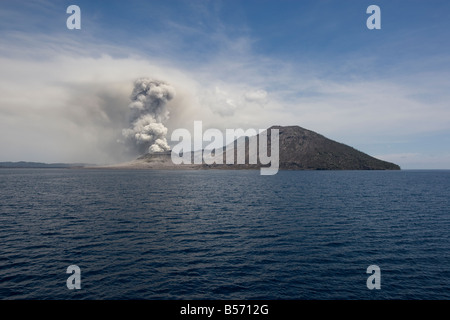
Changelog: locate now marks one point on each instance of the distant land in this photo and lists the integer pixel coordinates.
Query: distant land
(26, 164)
(299, 149)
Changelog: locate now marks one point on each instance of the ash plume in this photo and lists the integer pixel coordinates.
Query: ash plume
(147, 132)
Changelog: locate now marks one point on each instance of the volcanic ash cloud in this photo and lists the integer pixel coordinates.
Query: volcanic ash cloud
(147, 132)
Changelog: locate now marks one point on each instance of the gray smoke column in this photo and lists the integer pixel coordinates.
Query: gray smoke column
(147, 132)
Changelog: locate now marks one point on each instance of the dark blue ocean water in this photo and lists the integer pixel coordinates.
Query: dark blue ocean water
(224, 234)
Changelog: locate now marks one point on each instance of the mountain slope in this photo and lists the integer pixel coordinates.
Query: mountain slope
(299, 149)
(304, 149)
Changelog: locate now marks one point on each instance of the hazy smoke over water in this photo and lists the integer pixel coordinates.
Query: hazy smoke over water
(147, 132)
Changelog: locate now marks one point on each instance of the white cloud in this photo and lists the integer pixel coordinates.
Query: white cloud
(256, 96)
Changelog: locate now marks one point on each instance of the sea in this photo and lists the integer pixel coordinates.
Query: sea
(224, 235)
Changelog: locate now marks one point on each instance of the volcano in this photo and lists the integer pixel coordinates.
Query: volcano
(299, 149)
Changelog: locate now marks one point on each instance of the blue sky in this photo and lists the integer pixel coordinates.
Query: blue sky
(64, 93)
